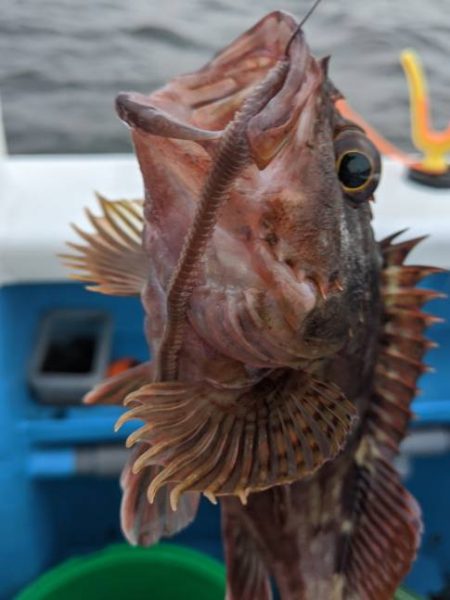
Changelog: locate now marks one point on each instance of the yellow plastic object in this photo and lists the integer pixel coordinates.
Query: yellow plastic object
(434, 144)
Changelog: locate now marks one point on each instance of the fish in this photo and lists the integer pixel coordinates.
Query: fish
(286, 341)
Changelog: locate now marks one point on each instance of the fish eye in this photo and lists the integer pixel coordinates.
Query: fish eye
(358, 165)
(354, 170)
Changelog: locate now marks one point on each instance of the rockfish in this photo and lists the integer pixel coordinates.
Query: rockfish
(286, 340)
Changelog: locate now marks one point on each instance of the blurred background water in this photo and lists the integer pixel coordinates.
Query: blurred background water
(63, 61)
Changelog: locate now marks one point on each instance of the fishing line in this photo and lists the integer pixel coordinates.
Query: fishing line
(300, 25)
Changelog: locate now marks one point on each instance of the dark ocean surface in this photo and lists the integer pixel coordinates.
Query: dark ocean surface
(63, 61)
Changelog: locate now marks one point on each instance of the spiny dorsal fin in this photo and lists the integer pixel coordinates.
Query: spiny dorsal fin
(223, 441)
(402, 342)
(112, 257)
(396, 254)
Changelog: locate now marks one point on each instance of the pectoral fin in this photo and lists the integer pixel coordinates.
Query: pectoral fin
(112, 257)
(232, 442)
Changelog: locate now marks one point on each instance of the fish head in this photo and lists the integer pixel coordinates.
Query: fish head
(295, 228)
(318, 173)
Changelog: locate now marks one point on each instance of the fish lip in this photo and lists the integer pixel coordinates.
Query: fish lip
(136, 111)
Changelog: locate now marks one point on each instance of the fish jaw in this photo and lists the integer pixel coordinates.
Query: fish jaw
(207, 99)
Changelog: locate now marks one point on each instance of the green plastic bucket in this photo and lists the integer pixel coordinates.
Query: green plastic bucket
(164, 572)
(404, 595)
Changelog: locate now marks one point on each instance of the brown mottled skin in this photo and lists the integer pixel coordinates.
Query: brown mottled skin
(263, 290)
(292, 213)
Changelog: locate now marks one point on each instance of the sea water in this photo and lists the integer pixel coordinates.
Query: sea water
(63, 61)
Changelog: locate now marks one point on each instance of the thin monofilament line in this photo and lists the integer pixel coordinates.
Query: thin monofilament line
(300, 25)
(233, 155)
(309, 13)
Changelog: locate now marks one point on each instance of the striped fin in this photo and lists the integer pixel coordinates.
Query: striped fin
(402, 342)
(112, 257)
(378, 544)
(381, 525)
(233, 442)
(144, 523)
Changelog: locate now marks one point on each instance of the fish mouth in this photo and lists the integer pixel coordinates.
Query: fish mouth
(200, 105)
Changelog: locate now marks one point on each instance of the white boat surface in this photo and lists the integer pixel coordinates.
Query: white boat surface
(41, 194)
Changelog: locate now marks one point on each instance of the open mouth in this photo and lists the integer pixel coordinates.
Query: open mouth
(200, 105)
